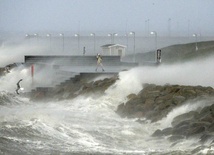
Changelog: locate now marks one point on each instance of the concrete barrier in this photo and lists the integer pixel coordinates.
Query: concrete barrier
(72, 60)
(70, 68)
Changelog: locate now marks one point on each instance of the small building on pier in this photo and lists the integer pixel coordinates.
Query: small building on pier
(113, 50)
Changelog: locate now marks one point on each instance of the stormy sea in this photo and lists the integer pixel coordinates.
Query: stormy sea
(90, 124)
(117, 121)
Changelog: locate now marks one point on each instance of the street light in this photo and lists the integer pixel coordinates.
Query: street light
(169, 27)
(127, 41)
(188, 27)
(196, 41)
(155, 33)
(147, 27)
(93, 34)
(62, 35)
(112, 36)
(27, 36)
(49, 35)
(133, 33)
(78, 39)
(37, 37)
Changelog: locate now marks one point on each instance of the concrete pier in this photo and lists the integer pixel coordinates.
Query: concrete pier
(65, 68)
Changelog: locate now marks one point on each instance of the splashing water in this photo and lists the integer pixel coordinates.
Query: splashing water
(82, 125)
(90, 125)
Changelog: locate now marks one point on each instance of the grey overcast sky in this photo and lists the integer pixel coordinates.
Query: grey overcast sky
(107, 15)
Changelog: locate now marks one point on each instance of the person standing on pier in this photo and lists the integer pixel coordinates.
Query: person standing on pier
(99, 62)
(84, 51)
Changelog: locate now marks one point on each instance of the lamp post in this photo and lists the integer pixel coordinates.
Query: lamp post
(27, 36)
(145, 27)
(133, 33)
(112, 36)
(78, 39)
(199, 37)
(148, 26)
(93, 34)
(127, 41)
(155, 33)
(188, 28)
(37, 37)
(196, 41)
(169, 27)
(49, 35)
(62, 35)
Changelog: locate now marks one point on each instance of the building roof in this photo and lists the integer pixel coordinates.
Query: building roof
(112, 45)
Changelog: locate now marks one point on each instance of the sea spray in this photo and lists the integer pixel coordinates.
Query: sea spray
(81, 125)
(90, 124)
(9, 81)
(190, 73)
(193, 105)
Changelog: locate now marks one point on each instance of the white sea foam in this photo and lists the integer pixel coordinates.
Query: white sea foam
(189, 106)
(90, 124)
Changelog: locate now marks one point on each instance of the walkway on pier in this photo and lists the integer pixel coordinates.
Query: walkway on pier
(58, 69)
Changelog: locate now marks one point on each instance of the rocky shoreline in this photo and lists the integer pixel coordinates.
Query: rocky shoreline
(83, 84)
(154, 102)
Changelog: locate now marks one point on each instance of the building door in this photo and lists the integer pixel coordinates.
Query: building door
(120, 52)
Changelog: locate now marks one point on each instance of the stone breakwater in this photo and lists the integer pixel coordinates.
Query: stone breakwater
(83, 84)
(154, 102)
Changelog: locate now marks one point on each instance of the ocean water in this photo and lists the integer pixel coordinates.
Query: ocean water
(79, 126)
(89, 125)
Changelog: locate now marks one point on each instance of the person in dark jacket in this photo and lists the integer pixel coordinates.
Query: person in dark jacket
(18, 86)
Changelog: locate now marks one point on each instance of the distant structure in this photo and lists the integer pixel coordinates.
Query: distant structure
(84, 51)
(114, 50)
(159, 56)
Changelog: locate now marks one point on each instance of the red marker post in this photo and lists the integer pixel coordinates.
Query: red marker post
(32, 73)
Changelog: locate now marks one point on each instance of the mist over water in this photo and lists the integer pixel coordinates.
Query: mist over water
(90, 124)
(13, 49)
(81, 125)
(197, 72)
